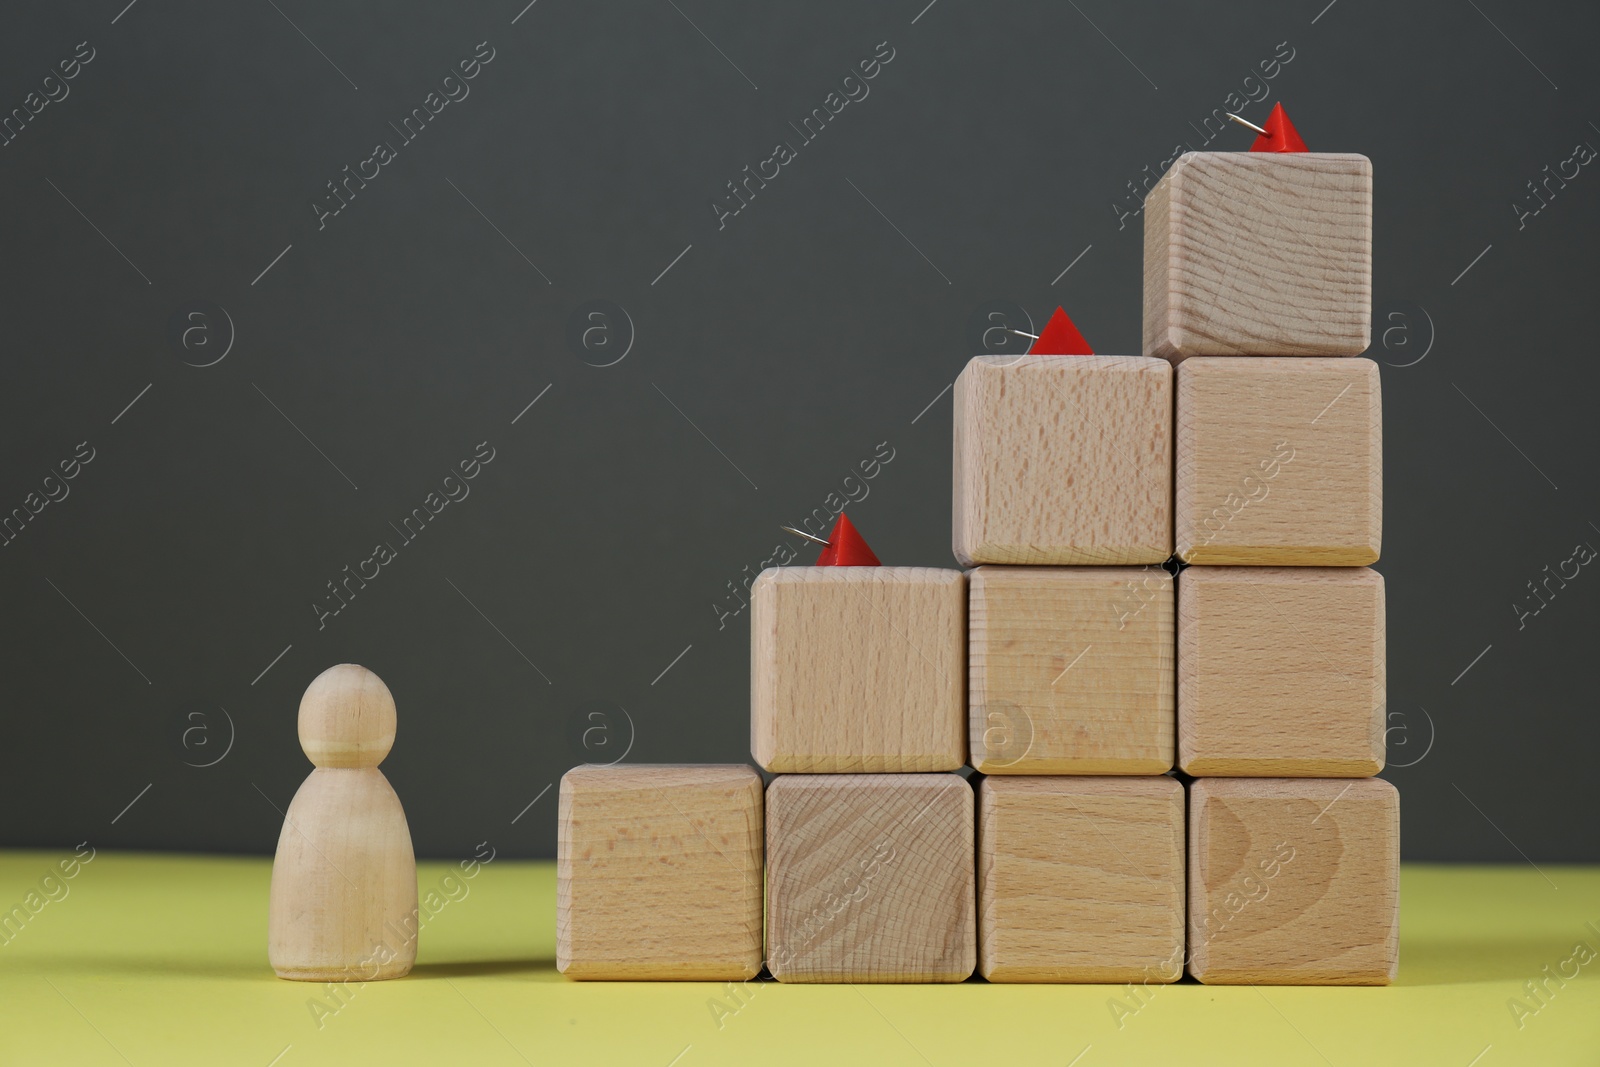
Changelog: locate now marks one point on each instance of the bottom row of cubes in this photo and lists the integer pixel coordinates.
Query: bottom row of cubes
(926, 877)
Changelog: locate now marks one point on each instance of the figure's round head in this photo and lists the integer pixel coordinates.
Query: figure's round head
(347, 718)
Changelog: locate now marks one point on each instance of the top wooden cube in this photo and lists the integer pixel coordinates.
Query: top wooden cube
(1259, 254)
(1063, 460)
(858, 669)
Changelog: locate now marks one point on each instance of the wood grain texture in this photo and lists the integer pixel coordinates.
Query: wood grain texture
(1259, 254)
(1081, 879)
(1294, 881)
(343, 903)
(658, 872)
(1063, 460)
(870, 878)
(858, 669)
(1071, 670)
(1281, 671)
(1279, 462)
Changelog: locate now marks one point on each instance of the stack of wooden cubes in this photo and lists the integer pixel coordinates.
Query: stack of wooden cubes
(1166, 562)
(1258, 288)
(1063, 508)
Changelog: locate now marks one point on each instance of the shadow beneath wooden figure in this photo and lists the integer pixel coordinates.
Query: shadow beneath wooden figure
(132, 966)
(167, 967)
(543, 968)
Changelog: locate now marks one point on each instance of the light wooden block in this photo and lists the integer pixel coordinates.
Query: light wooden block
(658, 873)
(870, 878)
(1081, 879)
(1259, 254)
(1281, 671)
(1063, 460)
(1279, 462)
(1071, 670)
(858, 669)
(1294, 881)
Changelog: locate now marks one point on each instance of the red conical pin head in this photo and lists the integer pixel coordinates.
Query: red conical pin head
(1281, 135)
(1060, 338)
(846, 547)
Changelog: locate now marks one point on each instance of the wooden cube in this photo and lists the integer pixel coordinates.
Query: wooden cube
(658, 873)
(1063, 459)
(1259, 254)
(1281, 671)
(1294, 881)
(1279, 462)
(858, 669)
(870, 878)
(1071, 670)
(1080, 879)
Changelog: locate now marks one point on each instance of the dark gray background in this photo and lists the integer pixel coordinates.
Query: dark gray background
(827, 317)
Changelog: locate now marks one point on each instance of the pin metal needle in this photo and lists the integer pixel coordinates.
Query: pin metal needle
(1247, 123)
(801, 533)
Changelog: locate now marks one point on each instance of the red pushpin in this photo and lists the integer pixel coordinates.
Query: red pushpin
(1279, 134)
(1059, 338)
(844, 546)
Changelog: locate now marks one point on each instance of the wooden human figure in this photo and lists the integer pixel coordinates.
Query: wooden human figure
(344, 882)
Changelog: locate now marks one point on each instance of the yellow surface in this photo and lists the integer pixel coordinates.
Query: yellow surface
(161, 960)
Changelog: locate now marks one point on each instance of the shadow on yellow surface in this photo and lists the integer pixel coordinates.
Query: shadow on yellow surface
(543, 968)
(1426, 962)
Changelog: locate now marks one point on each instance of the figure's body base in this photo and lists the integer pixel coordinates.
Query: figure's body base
(333, 973)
